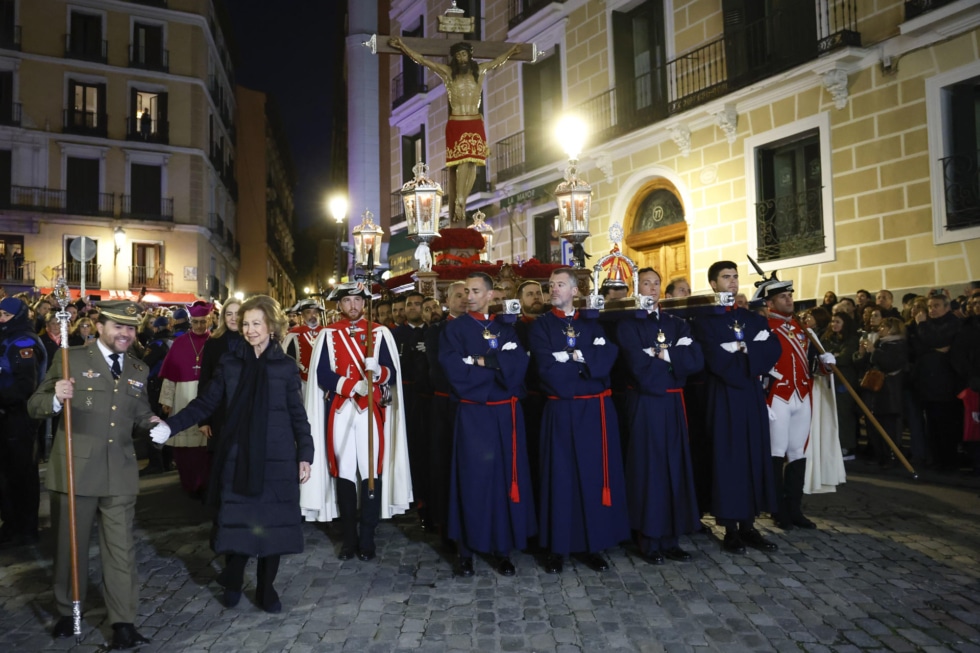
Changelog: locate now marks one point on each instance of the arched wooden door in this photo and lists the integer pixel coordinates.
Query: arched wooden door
(657, 232)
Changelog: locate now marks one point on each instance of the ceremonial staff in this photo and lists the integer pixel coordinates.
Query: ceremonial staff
(63, 297)
(370, 378)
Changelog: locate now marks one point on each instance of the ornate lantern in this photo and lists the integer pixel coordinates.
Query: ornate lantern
(574, 195)
(422, 198)
(485, 230)
(367, 242)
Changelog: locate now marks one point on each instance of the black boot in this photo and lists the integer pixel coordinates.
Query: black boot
(795, 477)
(370, 516)
(232, 578)
(347, 503)
(265, 594)
(781, 517)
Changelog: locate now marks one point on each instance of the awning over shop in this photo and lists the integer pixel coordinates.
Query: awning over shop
(149, 298)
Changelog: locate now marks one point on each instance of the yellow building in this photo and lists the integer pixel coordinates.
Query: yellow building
(116, 123)
(833, 140)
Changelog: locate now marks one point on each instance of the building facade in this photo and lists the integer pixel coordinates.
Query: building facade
(116, 124)
(266, 215)
(833, 140)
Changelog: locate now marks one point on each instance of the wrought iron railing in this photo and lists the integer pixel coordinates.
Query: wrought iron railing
(520, 10)
(10, 114)
(10, 38)
(961, 181)
(697, 77)
(91, 123)
(86, 50)
(147, 129)
(72, 272)
(16, 269)
(216, 224)
(151, 277)
(149, 59)
(148, 209)
(790, 225)
(915, 8)
(837, 25)
(49, 200)
(398, 208)
(510, 156)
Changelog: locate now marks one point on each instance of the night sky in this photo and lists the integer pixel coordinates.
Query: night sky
(288, 49)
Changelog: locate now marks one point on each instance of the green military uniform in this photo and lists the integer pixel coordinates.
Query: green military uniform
(106, 474)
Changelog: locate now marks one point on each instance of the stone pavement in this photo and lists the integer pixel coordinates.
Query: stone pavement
(893, 568)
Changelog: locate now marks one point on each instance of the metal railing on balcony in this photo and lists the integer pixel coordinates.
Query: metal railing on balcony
(408, 84)
(961, 182)
(697, 77)
(230, 241)
(102, 204)
(16, 269)
(10, 38)
(216, 225)
(87, 50)
(147, 130)
(214, 88)
(837, 25)
(915, 8)
(159, 210)
(144, 58)
(510, 156)
(398, 207)
(90, 123)
(151, 277)
(72, 272)
(520, 10)
(790, 225)
(10, 114)
(35, 198)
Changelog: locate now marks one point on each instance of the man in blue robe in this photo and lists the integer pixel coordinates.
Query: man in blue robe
(738, 350)
(660, 354)
(491, 506)
(583, 492)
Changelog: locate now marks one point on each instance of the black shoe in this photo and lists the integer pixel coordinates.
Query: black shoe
(595, 562)
(754, 538)
(366, 554)
(677, 553)
(654, 557)
(733, 543)
(800, 521)
(64, 627)
(230, 598)
(125, 636)
(553, 564)
(346, 553)
(426, 525)
(782, 521)
(464, 567)
(270, 603)
(505, 567)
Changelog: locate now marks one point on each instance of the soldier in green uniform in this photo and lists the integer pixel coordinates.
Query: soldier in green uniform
(108, 393)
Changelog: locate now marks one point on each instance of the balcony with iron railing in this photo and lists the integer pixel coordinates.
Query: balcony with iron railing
(87, 123)
(157, 59)
(790, 225)
(408, 84)
(216, 225)
(10, 37)
(151, 277)
(15, 270)
(154, 209)
(51, 200)
(520, 10)
(147, 130)
(10, 114)
(915, 8)
(86, 49)
(961, 184)
(513, 156)
(72, 273)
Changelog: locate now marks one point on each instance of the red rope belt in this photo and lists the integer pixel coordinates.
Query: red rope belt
(441, 394)
(515, 493)
(606, 494)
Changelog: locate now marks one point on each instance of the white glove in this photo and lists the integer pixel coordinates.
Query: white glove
(666, 357)
(560, 356)
(828, 359)
(509, 346)
(468, 360)
(762, 336)
(420, 347)
(577, 356)
(360, 388)
(599, 341)
(160, 433)
(730, 347)
(684, 342)
(772, 414)
(651, 352)
(775, 374)
(371, 365)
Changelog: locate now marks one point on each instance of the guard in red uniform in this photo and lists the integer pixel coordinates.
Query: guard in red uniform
(299, 341)
(790, 402)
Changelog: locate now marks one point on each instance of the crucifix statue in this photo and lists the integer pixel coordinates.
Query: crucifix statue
(466, 139)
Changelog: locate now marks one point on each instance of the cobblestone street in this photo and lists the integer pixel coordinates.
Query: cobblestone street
(893, 566)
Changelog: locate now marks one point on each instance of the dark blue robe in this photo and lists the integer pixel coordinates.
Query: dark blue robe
(491, 506)
(738, 418)
(442, 416)
(417, 395)
(659, 477)
(583, 491)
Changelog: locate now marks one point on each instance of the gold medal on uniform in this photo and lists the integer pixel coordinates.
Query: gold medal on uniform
(490, 337)
(661, 340)
(570, 336)
(739, 330)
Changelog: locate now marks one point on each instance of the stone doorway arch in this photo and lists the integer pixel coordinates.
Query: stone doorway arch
(657, 234)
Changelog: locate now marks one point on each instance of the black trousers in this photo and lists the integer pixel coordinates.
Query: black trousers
(20, 481)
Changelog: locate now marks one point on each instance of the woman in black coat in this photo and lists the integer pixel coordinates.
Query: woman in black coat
(890, 354)
(265, 437)
(224, 338)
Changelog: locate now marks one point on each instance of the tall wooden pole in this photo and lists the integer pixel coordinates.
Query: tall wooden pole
(370, 383)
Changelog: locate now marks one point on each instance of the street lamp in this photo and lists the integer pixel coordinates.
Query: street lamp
(574, 195)
(367, 242)
(422, 198)
(485, 230)
(119, 238)
(337, 205)
(338, 208)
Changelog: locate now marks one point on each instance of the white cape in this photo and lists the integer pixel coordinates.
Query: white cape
(317, 497)
(824, 460)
